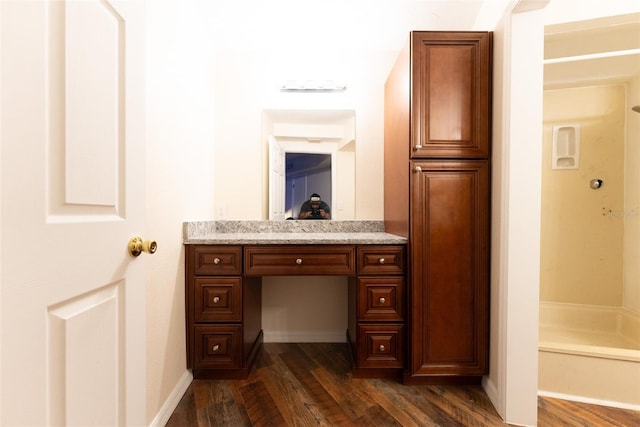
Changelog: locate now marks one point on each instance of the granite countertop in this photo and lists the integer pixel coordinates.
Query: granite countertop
(288, 232)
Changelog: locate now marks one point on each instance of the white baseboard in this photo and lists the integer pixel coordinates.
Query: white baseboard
(592, 401)
(492, 392)
(172, 401)
(302, 336)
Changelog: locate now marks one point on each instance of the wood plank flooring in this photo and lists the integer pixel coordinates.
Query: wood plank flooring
(311, 385)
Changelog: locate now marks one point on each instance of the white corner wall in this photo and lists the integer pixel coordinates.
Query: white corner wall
(513, 378)
(523, 241)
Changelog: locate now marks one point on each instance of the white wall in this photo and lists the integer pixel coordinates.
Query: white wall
(180, 154)
(204, 117)
(290, 316)
(205, 157)
(246, 83)
(512, 380)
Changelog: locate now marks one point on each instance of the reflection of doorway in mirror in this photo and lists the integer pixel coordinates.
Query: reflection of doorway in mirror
(327, 132)
(306, 173)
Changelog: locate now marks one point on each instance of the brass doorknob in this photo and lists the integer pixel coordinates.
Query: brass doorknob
(137, 246)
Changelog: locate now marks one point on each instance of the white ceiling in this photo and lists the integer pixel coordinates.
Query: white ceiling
(339, 24)
(308, 26)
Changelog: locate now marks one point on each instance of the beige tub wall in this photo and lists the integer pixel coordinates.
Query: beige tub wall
(631, 252)
(581, 247)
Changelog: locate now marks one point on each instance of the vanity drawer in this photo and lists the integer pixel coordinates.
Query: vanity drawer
(217, 260)
(300, 260)
(381, 259)
(380, 299)
(218, 299)
(380, 346)
(217, 347)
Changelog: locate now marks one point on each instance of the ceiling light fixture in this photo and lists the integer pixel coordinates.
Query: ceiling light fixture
(313, 86)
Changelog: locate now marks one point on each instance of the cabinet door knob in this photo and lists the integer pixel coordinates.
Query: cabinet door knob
(299, 261)
(215, 347)
(417, 169)
(382, 348)
(381, 261)
(216, 300)
(382, 300)
(417, 147)
(216, 260)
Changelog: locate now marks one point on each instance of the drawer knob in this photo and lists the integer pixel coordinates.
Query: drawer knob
(215, 347)
(216, 300)
(381, 261)
(382, 300)
(382, 348)
(216, 260)
(299, 261)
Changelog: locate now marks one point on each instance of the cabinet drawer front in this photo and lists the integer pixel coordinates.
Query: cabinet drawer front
(218, 299)
(217, 260)
(302, 260)
(380, 346)
(381, 299)
(381, 259)
(218, 346)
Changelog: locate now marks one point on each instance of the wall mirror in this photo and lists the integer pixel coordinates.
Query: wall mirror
(310, 151)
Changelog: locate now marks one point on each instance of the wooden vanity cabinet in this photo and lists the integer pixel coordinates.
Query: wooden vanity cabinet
(376, 333)
(437, 194)
(223, 286)
(223, 312)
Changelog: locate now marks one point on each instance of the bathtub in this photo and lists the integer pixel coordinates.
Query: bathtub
(589, 354)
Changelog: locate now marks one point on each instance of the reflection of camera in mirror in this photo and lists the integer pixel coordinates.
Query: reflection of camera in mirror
(315, 213)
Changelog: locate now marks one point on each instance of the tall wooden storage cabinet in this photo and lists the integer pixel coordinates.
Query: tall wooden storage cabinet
(437, 148)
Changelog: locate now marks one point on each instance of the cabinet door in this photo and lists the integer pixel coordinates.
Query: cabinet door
(449, 258)
(450, 106)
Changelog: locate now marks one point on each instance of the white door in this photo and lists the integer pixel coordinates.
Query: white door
(72, 194)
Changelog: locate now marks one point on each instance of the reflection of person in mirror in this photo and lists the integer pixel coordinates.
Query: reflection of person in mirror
(315, 208)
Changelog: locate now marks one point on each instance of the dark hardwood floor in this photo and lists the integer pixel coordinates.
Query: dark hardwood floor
(311, 385)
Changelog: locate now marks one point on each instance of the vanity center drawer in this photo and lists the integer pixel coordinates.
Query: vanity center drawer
(300, 260)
